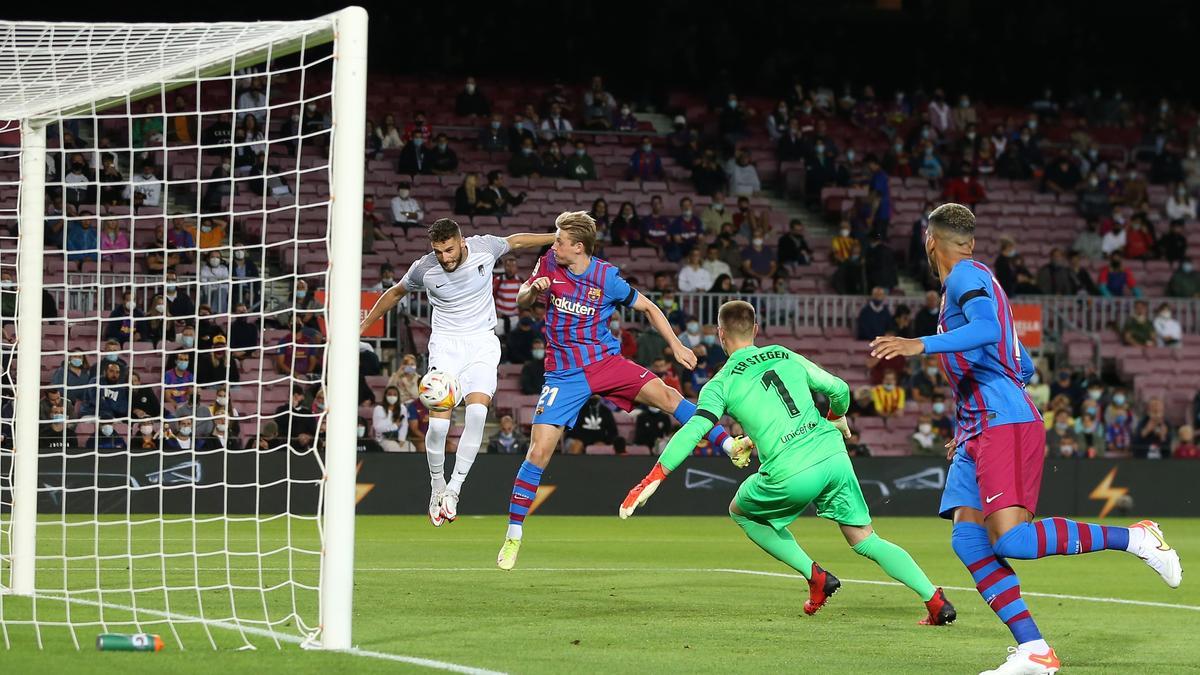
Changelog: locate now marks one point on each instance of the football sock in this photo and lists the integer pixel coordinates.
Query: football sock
(1059, 536)
(995, 581)
(524, 490)
(468, 445)
(435, 448)
(898, 564)
(717, 436)
(779, 543)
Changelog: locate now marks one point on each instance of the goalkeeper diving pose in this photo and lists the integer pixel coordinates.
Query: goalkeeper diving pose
(803, 460)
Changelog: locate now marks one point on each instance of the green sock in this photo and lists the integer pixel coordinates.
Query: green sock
(897, 563)
(779, 543)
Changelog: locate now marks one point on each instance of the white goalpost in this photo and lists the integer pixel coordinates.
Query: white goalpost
(180, 270)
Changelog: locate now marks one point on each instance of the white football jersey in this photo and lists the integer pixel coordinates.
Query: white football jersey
(462, 300)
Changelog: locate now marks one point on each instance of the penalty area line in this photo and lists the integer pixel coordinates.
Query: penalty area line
(283, 637)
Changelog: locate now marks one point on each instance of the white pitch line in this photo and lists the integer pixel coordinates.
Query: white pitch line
(703, 570)
(285, 637)
(709, 570)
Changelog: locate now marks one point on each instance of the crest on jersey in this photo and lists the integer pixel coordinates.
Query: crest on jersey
(540, 410)
(593, 294)
(480, 270)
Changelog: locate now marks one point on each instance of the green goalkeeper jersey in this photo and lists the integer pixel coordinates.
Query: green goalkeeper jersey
(768, 391)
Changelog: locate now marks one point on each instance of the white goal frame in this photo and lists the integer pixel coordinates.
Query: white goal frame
(36, 105)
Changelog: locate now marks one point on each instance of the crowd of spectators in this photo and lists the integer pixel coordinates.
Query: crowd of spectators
(721, 248)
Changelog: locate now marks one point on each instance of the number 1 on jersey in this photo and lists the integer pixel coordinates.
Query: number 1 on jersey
(771, 379)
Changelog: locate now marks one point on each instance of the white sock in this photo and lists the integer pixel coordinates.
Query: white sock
(1136, 536)
(1034, 647)
(468, 445)
(514, 531)
(435, 448)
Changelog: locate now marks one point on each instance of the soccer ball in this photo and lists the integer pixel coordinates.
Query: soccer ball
(438, 391)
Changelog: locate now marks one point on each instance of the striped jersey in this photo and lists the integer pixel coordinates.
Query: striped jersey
(506, 290)
(977, 346)
(578, 307)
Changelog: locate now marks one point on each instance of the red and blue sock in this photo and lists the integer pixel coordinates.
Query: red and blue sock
(995, 580)
(684, 411)
(1059, 536)
(529, 476)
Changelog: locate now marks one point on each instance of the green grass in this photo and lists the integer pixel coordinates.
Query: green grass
(604, 595)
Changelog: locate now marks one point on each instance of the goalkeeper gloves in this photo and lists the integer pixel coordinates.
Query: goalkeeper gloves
(739, 452)
(642, 491)
(839, 421)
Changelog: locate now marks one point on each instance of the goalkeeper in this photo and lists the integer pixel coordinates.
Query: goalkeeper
(803, 460)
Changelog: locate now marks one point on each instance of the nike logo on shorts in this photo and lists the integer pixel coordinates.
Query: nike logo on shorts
(994, 497)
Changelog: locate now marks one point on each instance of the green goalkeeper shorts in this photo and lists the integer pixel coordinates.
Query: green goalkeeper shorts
(830, 484)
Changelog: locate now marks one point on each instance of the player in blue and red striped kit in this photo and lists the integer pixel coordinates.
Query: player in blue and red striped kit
(583, 358)
(999, 444)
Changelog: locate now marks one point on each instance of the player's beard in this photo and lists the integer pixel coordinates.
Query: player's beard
(933, 268)
(457, 262)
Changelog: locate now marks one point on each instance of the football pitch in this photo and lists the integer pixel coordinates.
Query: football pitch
(651, 594)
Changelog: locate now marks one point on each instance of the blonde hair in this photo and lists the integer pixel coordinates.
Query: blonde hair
(736, 318)
(580, 227)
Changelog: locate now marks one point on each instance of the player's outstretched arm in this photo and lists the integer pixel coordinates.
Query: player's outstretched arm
(658, 320)
(521, 240)
(680, 447)
(382, 306)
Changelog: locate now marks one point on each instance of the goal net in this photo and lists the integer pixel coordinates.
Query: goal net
(179, 355)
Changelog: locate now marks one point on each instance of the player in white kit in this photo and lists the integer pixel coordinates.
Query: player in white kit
(457, 276)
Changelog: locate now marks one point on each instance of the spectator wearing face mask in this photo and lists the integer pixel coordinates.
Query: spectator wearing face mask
(78, 374)
(940, 416)
(1062, 432)
(1180, 205)
(146, 436)
(691, 337)
(1090, 431)
(390, 422)
(645, 164)
(1118, 433)
(887, 397)
(493, 137)
(850, 276)
(178, 381)
(124, 322)
(214, 290)
(580, 165)
(406, 210)
(759, 260)
(875, 317)
(182, 438)
(534, 369)
(713, 216)
(365, 441)
(442, 159)
(1139, 241)
(218, 435)
(1184, 282)
(1039, 390)
(926, 380)
(507, 439)
(107, 439)
(555, 125)
(1167, 331)
(414, 158)
(926, 439)
(627, 340)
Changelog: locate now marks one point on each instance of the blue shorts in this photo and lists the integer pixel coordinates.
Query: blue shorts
(565, 392)
(962, 489)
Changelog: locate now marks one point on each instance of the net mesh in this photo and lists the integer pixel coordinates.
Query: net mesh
(181, 426)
